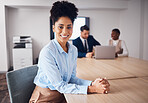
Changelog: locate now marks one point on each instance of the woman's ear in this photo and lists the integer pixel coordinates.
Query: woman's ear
(53, 28)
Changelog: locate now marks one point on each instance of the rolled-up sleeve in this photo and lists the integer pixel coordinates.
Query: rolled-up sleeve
(125, 50)
(48, 65)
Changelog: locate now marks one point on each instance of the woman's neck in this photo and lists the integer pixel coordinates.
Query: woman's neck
(64, 46)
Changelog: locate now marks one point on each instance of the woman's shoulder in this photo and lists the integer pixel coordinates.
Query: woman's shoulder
(73, 47)
(50, 47)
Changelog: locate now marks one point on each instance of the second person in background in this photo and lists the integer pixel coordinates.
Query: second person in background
(85, 43)
(121, 49)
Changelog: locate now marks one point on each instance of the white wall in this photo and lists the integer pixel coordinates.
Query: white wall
(134, 27)
(31, 17)
(28, 22)
(145, 40)
(3, 47)
(130, 21)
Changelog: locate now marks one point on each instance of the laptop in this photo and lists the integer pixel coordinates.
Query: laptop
(104, 52)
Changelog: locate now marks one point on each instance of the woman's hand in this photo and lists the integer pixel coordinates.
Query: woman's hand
(100, 85)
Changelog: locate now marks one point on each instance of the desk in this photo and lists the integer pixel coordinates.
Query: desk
(145, 78)
(130, 65)
(128, 78)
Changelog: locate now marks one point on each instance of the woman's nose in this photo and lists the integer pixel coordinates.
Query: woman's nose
(65, 31)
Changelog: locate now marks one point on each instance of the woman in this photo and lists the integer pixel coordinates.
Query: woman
(58, 61)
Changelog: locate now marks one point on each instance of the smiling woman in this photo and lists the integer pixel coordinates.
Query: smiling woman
(63, 30)
(58, 61)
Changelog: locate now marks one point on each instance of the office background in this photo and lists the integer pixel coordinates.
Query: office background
(31, 17)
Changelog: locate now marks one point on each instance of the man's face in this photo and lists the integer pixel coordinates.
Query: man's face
(84, 34)
(114, 35)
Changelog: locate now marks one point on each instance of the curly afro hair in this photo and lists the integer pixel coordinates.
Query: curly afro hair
(63, 9)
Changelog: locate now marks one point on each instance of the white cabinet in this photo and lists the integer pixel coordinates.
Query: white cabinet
(22, 57)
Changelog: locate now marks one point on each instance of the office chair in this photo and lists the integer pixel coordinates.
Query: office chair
(20, 84)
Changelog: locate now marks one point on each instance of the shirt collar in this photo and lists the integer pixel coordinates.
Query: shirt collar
(116, 40)
(82, 38)
(60, 49)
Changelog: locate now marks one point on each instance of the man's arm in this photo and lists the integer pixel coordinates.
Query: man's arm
(124, 49)
(80, 54)
(95, 42)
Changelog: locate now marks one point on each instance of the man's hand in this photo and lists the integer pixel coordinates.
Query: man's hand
(89, 54)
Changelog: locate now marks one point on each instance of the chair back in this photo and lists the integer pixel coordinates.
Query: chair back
(20, 84)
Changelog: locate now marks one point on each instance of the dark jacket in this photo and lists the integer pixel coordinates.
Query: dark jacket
(78, 43)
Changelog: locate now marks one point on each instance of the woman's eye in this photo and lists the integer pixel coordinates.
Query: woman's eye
(68, 27)
(60, 27)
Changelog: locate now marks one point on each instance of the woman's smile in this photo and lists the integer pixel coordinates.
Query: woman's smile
(64, 36)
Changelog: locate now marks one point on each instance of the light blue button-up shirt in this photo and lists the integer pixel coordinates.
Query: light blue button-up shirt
(57, 70)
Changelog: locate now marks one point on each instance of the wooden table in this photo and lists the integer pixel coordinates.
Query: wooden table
(128, 78)
(130, 65)
(145, 78)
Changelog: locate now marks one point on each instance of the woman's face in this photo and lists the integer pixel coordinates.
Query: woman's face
(63, 29)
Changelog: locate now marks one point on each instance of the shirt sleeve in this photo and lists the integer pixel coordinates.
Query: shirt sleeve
(95, 42)
(80, 54)
(125, 50)
(77, 80)
(48, 65)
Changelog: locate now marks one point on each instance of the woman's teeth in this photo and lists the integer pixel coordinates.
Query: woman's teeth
(64, 36)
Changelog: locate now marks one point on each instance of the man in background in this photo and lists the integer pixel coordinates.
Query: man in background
(85, 43)
(121, 49)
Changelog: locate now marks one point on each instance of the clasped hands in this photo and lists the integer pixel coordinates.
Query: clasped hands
(119, 52)
(100, 85)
